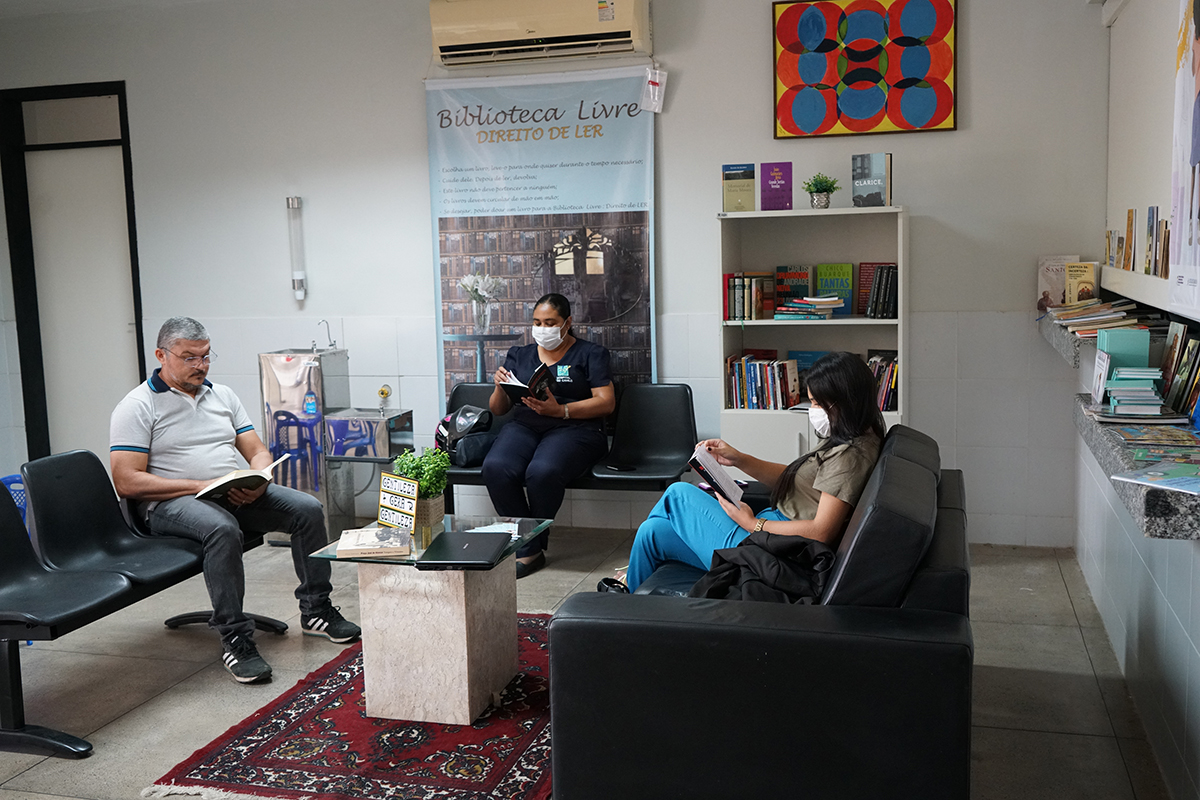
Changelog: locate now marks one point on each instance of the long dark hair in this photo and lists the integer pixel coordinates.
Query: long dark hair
(843, 385)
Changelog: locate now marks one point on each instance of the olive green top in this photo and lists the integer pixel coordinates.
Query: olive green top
(840, 470)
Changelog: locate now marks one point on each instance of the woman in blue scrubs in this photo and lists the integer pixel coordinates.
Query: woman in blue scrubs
(548, 443)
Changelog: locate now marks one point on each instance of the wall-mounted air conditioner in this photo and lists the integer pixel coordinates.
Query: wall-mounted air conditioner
(474, 32)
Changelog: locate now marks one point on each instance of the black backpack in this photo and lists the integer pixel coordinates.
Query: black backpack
(465, 435)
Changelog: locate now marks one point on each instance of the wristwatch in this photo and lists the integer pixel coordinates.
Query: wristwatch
(758, 526)
(566, 411)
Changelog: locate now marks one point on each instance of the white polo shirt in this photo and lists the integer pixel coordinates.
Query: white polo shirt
(183, 436)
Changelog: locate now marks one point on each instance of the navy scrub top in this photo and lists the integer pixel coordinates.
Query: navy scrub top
(582, 368)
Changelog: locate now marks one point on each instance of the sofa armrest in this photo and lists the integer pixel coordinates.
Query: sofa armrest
(668, 697)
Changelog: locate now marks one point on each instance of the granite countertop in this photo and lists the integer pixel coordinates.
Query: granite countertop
(1161, 514)
(1067, 344)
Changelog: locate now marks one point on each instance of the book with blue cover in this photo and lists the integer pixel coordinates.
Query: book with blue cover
(1174, 476)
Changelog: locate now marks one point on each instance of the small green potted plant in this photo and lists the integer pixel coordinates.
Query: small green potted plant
(819, 187)
(429, 471)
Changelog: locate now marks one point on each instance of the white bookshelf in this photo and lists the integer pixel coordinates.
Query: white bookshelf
(762, 240)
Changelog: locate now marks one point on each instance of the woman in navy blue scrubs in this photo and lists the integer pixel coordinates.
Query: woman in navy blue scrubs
(548, 443)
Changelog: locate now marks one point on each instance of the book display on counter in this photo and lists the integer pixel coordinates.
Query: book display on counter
(827, 264)
(737, 187)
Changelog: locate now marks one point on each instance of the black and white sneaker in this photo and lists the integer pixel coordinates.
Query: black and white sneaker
(244, 663)
(330, 623)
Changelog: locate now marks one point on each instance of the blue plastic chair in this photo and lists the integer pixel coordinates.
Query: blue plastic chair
(16, 487)
(294, 436)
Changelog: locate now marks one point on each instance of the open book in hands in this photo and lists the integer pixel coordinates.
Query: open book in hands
(539, 382)
(239, 479)
(714, 474)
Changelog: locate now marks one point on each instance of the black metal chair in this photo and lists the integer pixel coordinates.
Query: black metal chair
(654, 438)
(77, 524)
(42, 604)
(469, 394)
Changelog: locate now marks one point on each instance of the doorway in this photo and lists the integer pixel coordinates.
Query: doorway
(68, 195)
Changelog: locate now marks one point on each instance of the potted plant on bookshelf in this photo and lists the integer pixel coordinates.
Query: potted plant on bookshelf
(819, 187)
(429, 471)
(482, 290)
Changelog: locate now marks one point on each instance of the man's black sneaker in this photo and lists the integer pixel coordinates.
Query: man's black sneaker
(244, 663)
(330, 623)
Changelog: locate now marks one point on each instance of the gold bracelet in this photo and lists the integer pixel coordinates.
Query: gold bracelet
(566, 412)
(758, 526)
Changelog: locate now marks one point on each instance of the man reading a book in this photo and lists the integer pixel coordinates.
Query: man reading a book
(175, 434)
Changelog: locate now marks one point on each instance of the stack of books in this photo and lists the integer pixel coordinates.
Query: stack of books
(1133, 391)
(1087, 317)
(748, 295)
(808, 308)
(886, 371)
(880, 302)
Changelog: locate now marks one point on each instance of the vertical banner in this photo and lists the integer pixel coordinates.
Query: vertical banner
(542, 183)
(1184, 242)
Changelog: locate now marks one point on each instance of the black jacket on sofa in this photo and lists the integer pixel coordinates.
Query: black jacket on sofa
(770, 568)
(866, 695)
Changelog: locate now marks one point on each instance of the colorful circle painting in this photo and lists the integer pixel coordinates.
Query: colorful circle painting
(864, 66)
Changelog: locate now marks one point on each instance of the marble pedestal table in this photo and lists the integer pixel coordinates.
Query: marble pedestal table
(437, 644)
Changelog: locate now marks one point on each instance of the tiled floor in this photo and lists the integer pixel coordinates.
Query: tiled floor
(1052, 717)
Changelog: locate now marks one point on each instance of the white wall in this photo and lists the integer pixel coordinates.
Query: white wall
(1147, 590)
(234, 106)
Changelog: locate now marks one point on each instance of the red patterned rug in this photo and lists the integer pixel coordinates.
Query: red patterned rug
(316, 742)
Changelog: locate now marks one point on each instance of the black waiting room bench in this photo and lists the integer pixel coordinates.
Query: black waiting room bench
(81, 561)
(654, 437)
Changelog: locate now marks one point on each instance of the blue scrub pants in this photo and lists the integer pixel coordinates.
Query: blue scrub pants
(686, 525)
(527, 471)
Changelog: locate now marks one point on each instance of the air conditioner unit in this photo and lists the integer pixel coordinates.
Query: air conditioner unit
(474, 32)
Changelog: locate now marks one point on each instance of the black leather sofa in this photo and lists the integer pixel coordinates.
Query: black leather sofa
(864, 695)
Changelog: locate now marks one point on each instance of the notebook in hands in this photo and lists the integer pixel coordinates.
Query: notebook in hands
(464, 550)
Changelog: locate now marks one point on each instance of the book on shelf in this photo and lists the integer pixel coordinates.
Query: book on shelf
(883, 366)
(871, 179)
(1172, 476)
(1130, 238)
(249, 479)
(1101, 413)
(869, 273)
(1137, 373)
(1100, 376)
(1119, 255)
(1148, 267)
(1110, 244)
(1137, 408)
(715, 475)
(749, 295)
(1127, 348)
(1090, 308)
(759, 380)
(1081, 281)
(1158, 436)
(374, 542)
(1176, 338)
(793, 282)
(539, 383)
(737, 187)
(1187, 455)
(776, 190)
(836, 280)
(1180, 382)
(1052, 281)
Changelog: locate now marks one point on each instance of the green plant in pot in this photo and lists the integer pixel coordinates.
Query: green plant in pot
(429, 471)
(819, 187)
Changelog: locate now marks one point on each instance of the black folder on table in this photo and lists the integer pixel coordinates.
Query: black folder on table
(464, 550)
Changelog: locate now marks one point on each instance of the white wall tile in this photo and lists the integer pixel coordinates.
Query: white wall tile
(1191, 755)
(1179, 579)
(12, 450)
(10, 342)
(1049, 531)
(992, 413)
(7, 403)
(1045, 363)
(474, 506)
(600, 514)
(422, 394)
(371, 343)
(4, 366)
(949, 456)
(416, 341)
(708, 395)
(704, 340)
(996, 478)
(931, 409)
(996, 528)
(994, 345)
(933, 345)
(1176, 652)
(364, 391)
(674, 356)
(1050, 482)
(1051, 421)
(1194, 625)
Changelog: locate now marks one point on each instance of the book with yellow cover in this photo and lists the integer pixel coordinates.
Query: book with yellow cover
(737, 187)
(1081, 281)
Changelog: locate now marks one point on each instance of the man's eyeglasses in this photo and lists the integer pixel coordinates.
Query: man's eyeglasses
(194, 361)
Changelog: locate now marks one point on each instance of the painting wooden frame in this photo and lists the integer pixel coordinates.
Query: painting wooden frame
(844, 67)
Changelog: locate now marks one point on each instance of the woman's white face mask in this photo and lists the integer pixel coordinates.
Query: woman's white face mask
(548, 337)
(819, 420)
